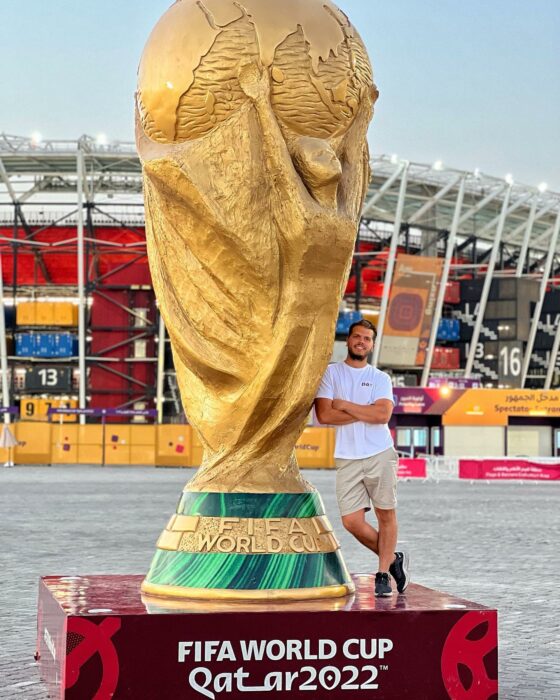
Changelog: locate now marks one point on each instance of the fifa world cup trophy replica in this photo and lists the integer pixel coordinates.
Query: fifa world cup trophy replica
(251, 127)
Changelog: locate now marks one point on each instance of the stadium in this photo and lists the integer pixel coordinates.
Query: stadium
(474, 343)
(343, 368)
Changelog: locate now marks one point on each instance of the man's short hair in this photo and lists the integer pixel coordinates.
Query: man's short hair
(365, 324)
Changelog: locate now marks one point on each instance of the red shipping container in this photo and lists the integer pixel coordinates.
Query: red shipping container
(369, 289)
(365, 247)
(445, 358)
(371, 274)
(452, 293)
(372, 289)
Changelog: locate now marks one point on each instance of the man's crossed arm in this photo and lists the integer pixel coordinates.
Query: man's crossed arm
(340, 412)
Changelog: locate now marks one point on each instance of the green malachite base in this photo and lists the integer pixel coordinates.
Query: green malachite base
(293, 575)
(251, 505)
(247, 571)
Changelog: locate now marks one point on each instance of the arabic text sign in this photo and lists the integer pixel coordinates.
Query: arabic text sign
(412, 469)
(496, 469)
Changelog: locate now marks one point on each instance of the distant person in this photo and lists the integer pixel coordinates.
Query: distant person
(358, 399)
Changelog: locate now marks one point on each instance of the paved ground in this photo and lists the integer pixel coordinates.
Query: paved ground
(496, 544)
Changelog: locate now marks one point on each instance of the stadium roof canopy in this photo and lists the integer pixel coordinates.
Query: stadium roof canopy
(39, 179)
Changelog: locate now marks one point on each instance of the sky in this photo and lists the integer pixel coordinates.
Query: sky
(475, 84)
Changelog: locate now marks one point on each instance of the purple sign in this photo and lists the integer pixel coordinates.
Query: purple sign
(75, 411)
(152, 413)
(425, 401)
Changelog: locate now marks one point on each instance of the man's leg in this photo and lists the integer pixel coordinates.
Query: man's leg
(357, 525)
(387, 537)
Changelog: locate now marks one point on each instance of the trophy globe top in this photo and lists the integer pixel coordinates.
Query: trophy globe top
(188, 78)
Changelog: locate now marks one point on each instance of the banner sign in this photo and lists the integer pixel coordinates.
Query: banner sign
(412, 469)
(424, 401)
(495, 406)
(477, 406)
(495, 469)
(410, 312)
(74, 411)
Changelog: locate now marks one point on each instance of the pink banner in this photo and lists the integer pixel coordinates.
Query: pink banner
(508, 469)
(412, 469)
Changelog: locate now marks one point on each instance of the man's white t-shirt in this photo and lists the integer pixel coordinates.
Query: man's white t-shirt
(363, 386)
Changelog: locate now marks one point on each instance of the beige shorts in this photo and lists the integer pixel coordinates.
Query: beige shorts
(361, 482)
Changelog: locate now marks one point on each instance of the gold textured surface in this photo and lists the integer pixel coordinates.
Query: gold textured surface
(247, 604)
(251, 127)
(169, 540)
(184, 523)
(250, 535)
(275, 594)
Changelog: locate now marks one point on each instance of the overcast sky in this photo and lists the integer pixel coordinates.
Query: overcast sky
(474, 83)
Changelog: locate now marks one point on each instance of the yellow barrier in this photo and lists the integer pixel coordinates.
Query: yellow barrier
(64, 443)
(142, 444)
(174, 446)
(130, 444)
(314, 449)
(90, 444)
(117, 443)
(34, 443)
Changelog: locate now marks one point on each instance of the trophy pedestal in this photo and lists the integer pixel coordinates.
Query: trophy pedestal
(99, 637)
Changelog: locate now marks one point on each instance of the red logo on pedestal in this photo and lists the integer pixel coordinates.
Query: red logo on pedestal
(469, 658)
(96, 639)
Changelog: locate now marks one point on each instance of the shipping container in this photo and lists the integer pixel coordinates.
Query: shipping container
(345, 320)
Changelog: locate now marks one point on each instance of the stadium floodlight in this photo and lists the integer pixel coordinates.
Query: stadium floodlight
(438, 165)
(394, 159)
(509, 179)
(476, 173)
(36, 138)
(543, 187)
(101, 139)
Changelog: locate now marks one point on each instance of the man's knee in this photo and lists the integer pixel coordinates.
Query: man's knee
(386, 516)
(354, 522)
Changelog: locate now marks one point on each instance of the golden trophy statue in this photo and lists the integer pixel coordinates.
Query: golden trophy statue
(251, 127)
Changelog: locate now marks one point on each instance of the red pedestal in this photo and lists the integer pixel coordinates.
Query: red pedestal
(99, 639)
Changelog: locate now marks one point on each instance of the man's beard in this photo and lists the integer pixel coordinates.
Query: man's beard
(355, 356)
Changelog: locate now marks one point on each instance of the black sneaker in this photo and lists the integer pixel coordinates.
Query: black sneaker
(382, 585)
(399, 571)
